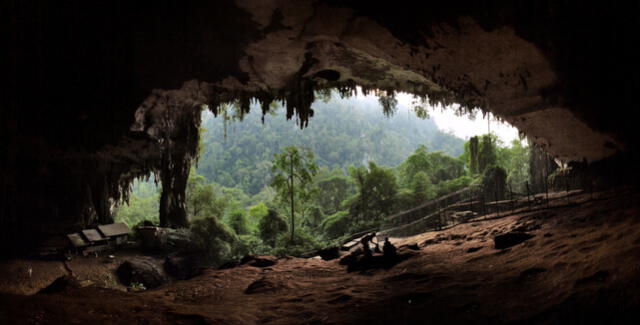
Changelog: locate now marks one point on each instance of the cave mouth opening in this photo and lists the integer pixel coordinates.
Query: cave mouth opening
(78, 144)
(237, 190)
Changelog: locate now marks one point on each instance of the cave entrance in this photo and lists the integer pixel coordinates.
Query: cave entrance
(387, 153)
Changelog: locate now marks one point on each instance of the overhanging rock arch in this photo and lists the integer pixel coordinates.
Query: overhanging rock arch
(546, 68)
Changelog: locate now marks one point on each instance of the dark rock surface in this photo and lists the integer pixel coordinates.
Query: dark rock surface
(329, 253)
(259, 260)
(182, 267)
(510, 239)
(62, 284)
(141, 272)
(598, 277)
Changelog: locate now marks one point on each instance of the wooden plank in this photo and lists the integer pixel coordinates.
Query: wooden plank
(114, 229)
(77, 240)
(93, 235)
(92, 249)
(349, 245)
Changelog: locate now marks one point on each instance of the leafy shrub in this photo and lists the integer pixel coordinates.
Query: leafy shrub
(270, 226)
(302, 243)
(250, 244)
(336, 224)
(238, 221)
(256, 213)
(494, 183)
(179, 241)
(405, 199)
(213, 239)
(453, 185)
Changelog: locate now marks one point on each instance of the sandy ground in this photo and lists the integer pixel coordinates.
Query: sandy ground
(582, 267)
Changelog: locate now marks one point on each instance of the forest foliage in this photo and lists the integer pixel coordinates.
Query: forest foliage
(348, 171)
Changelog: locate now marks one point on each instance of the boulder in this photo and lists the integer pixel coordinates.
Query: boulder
(62, 284)
(182, 267)
(141, 272)
(329, 253)
(229, 265)
(259, 260)
(524, 227)
(151, 238)
(349, 259)
(510, 239)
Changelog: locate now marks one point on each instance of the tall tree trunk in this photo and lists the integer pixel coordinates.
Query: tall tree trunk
(174, 175)
(473, 155)
(291, 194)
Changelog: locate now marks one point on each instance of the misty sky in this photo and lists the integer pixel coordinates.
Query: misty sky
(461, 126)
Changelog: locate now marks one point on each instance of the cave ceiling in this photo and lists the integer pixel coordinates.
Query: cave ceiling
(479, 57)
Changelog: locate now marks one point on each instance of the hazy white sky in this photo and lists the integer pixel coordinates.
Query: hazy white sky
(461, 126)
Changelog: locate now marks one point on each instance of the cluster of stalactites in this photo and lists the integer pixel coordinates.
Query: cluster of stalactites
(179, 143)
(301, 93)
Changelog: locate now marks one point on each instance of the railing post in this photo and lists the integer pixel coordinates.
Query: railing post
(511, 198)
(495, 195)
(528, 199)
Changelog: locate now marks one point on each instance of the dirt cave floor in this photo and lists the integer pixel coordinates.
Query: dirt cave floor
(581, 267)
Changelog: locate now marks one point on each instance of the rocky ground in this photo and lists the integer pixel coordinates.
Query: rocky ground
(582, 265)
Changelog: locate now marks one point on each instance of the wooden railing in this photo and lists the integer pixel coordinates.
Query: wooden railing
(430, 207)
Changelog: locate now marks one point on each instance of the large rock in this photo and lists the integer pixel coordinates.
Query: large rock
(62, 284)
(259, 260)
(510, 239)
(182, 267)
(151, 238)
(329, 253)
(141, 272)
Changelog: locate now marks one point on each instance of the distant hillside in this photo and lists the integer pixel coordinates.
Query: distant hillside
(342, 132)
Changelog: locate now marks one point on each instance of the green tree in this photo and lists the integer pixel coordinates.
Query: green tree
(377, 190)
(243, 158)
(143, 204)
(443, 167)
(294, 170)
(332, 190)
(202, 198)
(361, 200)
(422, 188)
(213, 238)
(256, 213)
(270, 226)
(337, 224)
(494, 183)
(487, 154)
(238, 221)
(473, 155)
(313, 218)
(417, 162)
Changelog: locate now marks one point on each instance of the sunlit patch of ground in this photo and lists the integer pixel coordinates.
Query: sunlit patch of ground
(582, 266)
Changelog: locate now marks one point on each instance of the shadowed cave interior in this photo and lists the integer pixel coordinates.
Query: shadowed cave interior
(99, 94)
